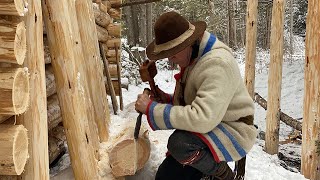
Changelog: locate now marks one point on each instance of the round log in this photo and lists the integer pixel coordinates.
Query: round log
(14, 149)
(114, 30)
(107, 4)
(57, 139)
(12, 41)
(47, 58)
(54, 112)
(111, 53)
(51, 87)
(14, 90)
(12, 7)
(102, 19)
(113, 70)
(113, 43)
(128, 155)
(115, 13)
(115, 2)
(102, 34)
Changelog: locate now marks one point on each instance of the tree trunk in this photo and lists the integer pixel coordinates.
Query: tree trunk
(72, 86)
(93, 67)
(232, 28)
(251, 43)
(310, 155)
(12, 7)
(128, 155)
(14, 91)
(14, 149)
(149, 23)
(291, 30)
(143, 25)
(12, 40)
(275, 78)
(135, 27)
(129, 23)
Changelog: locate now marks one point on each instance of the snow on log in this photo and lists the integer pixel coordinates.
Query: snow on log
(13, 149)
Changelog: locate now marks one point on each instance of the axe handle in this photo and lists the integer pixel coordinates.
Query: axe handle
(138, 123)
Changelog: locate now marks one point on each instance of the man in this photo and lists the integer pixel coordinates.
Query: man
(211, 109)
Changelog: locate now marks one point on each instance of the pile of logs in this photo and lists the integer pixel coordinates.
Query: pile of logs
(14, 87)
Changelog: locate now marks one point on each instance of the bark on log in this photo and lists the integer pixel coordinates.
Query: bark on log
(51, 87)
(103, 34)
(14, 90)
(102, 19)
(14, 149)
(128, 155)
(57, 138)
(113, 43)
(283, 117)
(12, 7)
(65, 46)
(12, 40)
(114, 30)
(115, 13)
(54, 112)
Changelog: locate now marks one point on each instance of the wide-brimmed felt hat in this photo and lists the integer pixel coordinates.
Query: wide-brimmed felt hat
(173, 33)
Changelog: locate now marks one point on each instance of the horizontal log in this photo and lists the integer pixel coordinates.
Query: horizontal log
(115, 13)
(102, 19)
(57, 139)
(14, 149)
(14, 90)
(113, 43)
(134, 3)
(106, 4)
(103, 8)
(51, 87)
(283, 117)
(114, 60)
(47, 58)
(113, 70)
(54, 112)
(13, 7)
(116, 88)
(111, 53)
(128, 155)
(114, 30)
(102, 34)
(13, 44)
(3, 118)
(115, 2)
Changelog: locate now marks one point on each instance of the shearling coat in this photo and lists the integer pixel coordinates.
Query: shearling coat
(216, 98)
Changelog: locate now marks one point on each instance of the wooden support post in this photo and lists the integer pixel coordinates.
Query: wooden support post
(109, 83)
(14, 149)
(14, 90)
(12, 7)
(310, 155)
(35, 118)
(119, 79)
(93, 67)
(251, 43)
(114, 30)
(72, 87)
(12, 40)
(275, 78)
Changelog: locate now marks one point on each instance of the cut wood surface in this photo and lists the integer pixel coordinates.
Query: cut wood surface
(51, 87)
(102, 34)
(12, 40)
(66, 50)
(114, 30)
(283, 117)
(14, 90)
(128, 155)
(14, 149)
(102, 19)
(54, 112)
(115, 13)
(12, 7)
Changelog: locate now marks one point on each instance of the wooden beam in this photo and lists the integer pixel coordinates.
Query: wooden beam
(72, 87)
(14, 149)
(114, 30)
(12, 40)
(13, 7)
(275, 78)
(251, 44)
(35, 118)
(14, 91)
(310, 155)
(93, 67)
(132, 3)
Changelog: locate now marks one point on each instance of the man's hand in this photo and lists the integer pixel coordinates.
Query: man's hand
(142, 103)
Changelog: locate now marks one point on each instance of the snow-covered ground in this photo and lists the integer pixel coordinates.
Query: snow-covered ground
(260, 165)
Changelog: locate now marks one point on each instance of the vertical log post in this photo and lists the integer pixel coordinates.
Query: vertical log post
(72, 87)
(275, 78)
(35, 118)
(93, 66)
(310, 155)
(251, 42)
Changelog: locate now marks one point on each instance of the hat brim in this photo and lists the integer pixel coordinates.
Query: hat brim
(200, 27)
